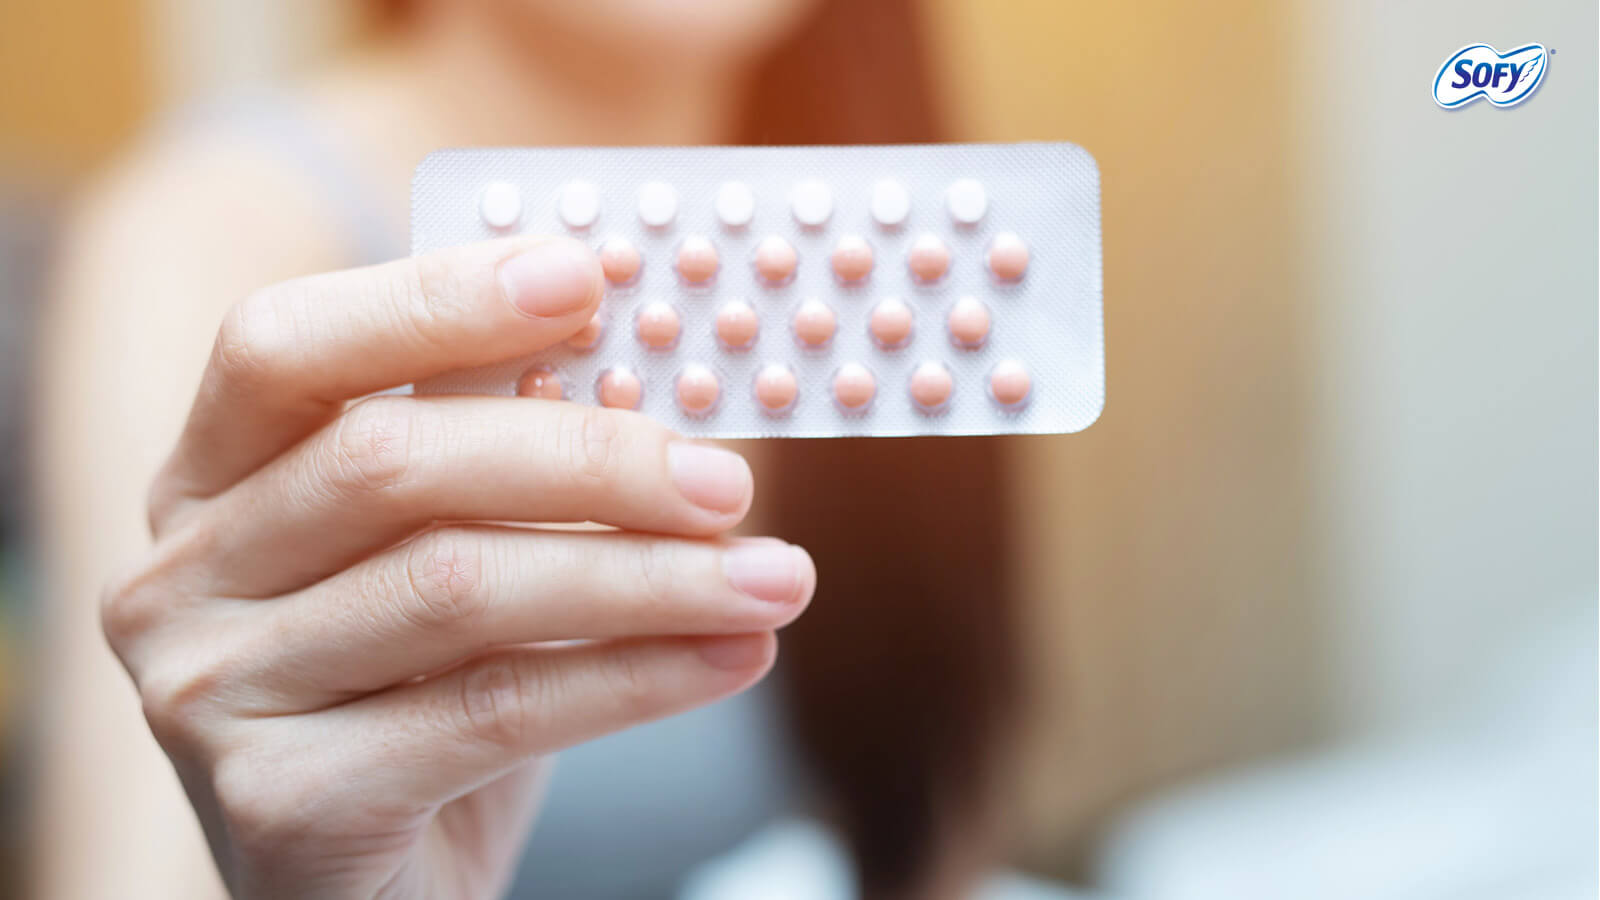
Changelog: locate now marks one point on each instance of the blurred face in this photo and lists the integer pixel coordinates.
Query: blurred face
(706, 31)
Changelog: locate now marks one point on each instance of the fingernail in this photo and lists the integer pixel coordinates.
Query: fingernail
(767, 570)
(709, 477)
(740, 651)
(551, 279)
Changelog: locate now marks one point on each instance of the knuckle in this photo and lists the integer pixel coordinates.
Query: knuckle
(594, 444)
(135, 602)
(498, 702)
(127, 609)
(268, 810)
(178, 698)
(430, 288)
(255, 345)
(657, 564)
(371, 447)
(629, 686)
(445, 574)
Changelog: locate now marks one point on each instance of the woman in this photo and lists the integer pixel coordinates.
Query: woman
(339, 675)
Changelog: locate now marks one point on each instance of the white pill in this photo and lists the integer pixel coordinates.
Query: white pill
(501, 205)
(967, 201)
(812, 202)
(891, 203)
(736, 204)
(580, 204)
(658, 204)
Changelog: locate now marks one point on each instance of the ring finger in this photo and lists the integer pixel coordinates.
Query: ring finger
(455, 592)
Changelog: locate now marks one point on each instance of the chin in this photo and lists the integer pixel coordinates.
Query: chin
(700, 30)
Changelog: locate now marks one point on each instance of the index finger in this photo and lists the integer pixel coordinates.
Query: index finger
(289, 357)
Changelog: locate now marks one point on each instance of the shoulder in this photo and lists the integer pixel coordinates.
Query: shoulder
(198, 216)
(153, 252)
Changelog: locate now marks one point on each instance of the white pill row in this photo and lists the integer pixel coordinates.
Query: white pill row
(810, 202)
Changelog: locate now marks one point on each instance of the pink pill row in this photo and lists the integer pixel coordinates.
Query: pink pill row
(852, 260)
(776, 389)
(657, 325)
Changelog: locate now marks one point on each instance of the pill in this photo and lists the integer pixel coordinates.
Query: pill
(891, 203)
(1008, 256)
(814, 323)
(589, 335)
(619, 388)
(812, 203)
(658, 204)
(931, 385)
(697, 260)
(852, 258)
(657, 325)
(500, 206)
(890, 323)
(579, 205)
(776, 260)
(776, 388)
(542, 382)
(1009, 383)
(698, 389)
(736, 204)
(620, 260)
(929, 258)
(967, 201)
(737, 325)
(854, 386)
(969, 323)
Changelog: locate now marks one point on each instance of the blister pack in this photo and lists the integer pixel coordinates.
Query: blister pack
(804, 291)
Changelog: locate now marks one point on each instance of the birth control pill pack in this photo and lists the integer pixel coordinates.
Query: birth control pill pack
(875, 291)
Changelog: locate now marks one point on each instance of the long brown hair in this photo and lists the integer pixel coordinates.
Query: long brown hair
(900, 679)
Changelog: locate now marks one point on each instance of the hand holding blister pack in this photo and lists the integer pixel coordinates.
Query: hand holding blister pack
(804, 291)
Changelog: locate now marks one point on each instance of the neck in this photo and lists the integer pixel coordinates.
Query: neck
(494, 83)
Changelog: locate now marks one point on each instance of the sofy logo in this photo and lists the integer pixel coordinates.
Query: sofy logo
(1478, 70)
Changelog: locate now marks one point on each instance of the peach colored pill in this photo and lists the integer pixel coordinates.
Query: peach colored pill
(697, 260)
(776, 260)
(852, 258)
(698, 389)
(931, 385)
(657, 326)
(541, 382)
(1009, 383)
(1008, 256)
(737, 325)
(814, 323)
(620, 389)
(890, 323)
(854, 386)
(588, 336)
(969, 323)
(929, 258)
(620, 260)
(776, 388)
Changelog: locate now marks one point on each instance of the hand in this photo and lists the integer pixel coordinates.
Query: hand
(351, 672)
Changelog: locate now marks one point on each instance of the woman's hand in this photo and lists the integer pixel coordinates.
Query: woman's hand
(351, 671)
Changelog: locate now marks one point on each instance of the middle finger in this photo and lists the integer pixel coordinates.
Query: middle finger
(391, 466)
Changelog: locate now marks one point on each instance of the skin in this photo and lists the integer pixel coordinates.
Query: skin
(338, 669)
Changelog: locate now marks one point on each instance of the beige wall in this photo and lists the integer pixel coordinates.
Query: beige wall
(1167, 557)
(1453, 256)
(73, 82)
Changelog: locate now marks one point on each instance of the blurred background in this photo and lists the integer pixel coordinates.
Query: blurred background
(1312, 608)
